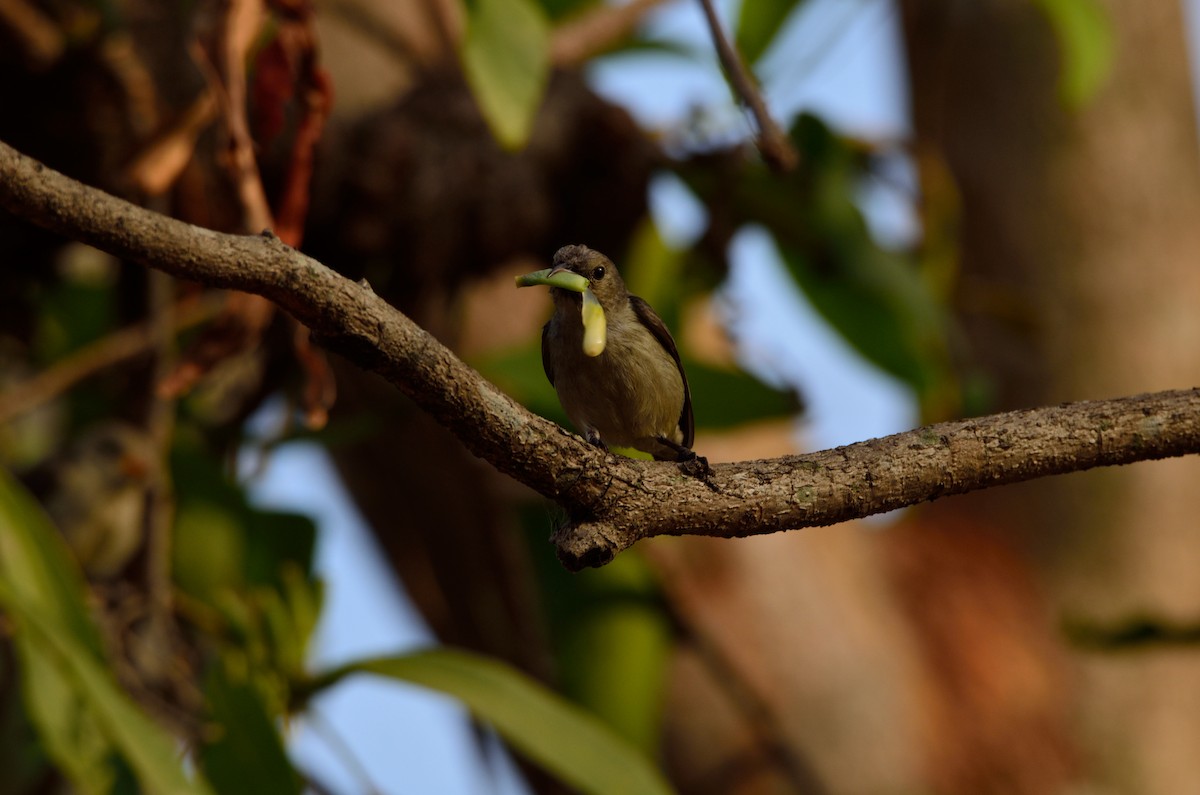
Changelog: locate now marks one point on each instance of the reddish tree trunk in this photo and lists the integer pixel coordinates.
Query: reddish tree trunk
(1079, 281)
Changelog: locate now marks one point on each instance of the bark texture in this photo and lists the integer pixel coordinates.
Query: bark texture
(612, 502)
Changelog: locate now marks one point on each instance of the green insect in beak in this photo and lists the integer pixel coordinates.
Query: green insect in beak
(595, 327)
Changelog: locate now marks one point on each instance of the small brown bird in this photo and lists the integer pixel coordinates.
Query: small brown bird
(619, 379)
(97, 495)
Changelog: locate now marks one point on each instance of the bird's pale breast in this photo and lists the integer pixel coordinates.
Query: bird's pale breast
(631, 393)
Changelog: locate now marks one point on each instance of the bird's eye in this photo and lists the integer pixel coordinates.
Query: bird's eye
(598, 274)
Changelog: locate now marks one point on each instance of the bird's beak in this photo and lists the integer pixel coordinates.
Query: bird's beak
(595, 326)
(554, 277)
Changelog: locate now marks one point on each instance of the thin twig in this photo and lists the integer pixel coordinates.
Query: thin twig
(341, 749)
(160, 498)
(760, 718)
(118, 347)
(35, 33)
(772, 142)
(596, 30)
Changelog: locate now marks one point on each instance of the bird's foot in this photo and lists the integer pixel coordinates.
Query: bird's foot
(690, 464)
(593, 437)
(696, 466)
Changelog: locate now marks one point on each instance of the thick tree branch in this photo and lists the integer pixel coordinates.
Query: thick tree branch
(612, 502)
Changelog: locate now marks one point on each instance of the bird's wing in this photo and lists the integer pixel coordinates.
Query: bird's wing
(547, 364)
(653, 323)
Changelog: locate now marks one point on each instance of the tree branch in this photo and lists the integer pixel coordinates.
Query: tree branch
(97, 356)
(772, 142)
(612, 501)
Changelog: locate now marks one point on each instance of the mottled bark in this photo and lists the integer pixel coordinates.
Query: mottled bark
(612, 501)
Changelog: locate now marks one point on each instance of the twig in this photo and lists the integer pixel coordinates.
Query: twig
(160, 162)
(36, 34)
(596, 30)
(776, 150)
(341, 749)
(613, 502)
(235, 33)
(158, 633)
(402, 43)
(288, 67)
(761, 719)
(117, 347)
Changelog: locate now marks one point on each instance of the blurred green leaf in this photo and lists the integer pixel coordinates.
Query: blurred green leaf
(303, 597)
(37, 569)
(275, 541)
(506, 57)
(71, 315)
(246, 755)
(1085, 37)
(23, 761)
(758, 23)
(67, 727)
(81, 714)
(550, 731)
(878, 306)
(559, 9)
(289, 617)
(149, 751)
(652, 270)
(723, 398)
(223, 541)
(614, 643)
(209, 550)
(874, 297)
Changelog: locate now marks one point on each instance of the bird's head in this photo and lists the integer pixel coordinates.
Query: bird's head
(602, 277)
(585, 281)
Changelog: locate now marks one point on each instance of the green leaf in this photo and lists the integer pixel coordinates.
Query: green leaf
(561, 9)
(506, 57)
(654, 270)
(543, 726)
(148, 750)
(81, 714)
(876, 298)
(758, 23)
(723, 398)
(221, 541)
(303, 597)
(37, 566)
(67, 728)
(208, 553)
(23, 762)
(614, 643)
(246, 755)
(879, 307)
(1085, 37)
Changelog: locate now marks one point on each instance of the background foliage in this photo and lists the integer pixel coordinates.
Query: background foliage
(151, 611)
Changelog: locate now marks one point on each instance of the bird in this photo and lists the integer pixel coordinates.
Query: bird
(97, 491)
(620, 379)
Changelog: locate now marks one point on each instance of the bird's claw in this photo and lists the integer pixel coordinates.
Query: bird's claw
(697, 467)
(593, 437)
